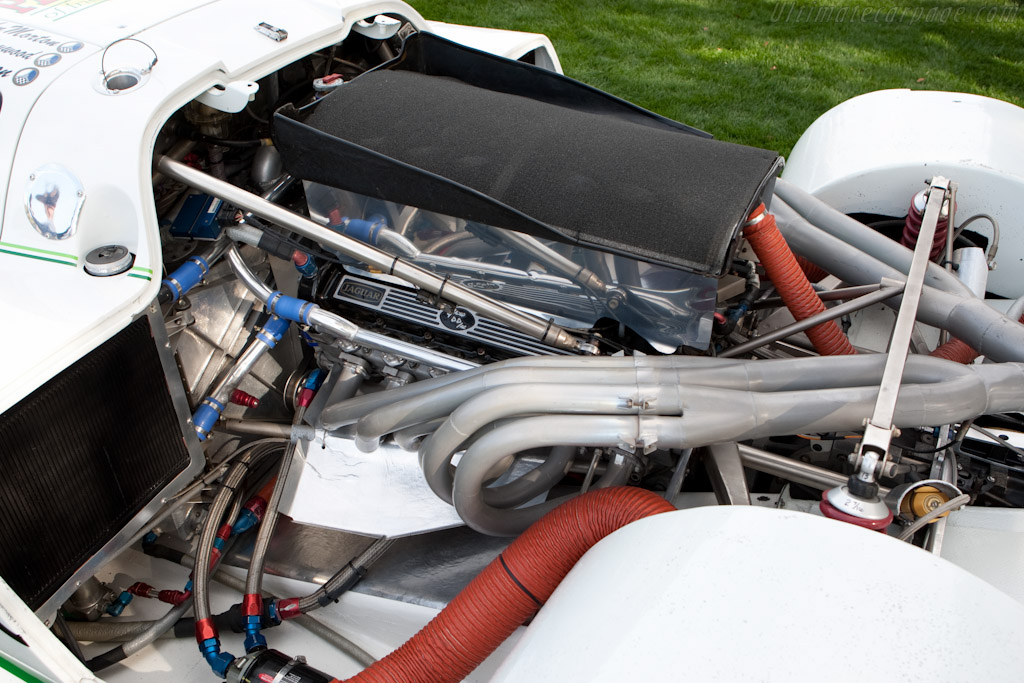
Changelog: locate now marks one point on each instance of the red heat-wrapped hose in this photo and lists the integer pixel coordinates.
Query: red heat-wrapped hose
(814, 273)
(791, 283)
(511, 588)
(956, 351)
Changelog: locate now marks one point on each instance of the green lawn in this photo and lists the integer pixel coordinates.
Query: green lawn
(760, 72)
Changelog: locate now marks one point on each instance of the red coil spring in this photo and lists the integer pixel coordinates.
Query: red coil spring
(912, 228)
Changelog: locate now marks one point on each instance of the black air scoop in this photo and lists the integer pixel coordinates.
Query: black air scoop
(450, 129)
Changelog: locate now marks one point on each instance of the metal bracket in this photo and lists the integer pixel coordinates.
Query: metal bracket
(230, 97)
(878, 432)
(725, 469)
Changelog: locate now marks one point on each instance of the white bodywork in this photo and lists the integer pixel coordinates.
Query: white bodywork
(745, 593)
(872, 153)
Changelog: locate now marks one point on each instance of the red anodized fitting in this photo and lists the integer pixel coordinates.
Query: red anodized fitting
(305, 397)
(288, 608)
(142, 590)
(257, 505)
(205, 630)
(173, 597)
(241, 398)
(252, 605)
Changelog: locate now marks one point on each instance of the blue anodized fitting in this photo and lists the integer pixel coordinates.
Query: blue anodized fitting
(115, 608)
(307, 269)
(314, 379)
(247, 519)
(218, 661)
(254, 640)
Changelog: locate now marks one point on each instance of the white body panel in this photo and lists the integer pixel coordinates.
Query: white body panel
(872, 153)
(743, 593)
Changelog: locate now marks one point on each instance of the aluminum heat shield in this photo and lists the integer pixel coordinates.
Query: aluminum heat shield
(333, 484)
(467, 134)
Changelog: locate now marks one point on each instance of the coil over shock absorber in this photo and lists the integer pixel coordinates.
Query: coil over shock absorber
(913, 226)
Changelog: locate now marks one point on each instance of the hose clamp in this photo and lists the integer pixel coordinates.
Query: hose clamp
(756, 219)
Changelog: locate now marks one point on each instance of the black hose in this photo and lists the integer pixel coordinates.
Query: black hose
(107, 659)
(114, 630)
(163, 552)
(165, 295)
(748, 271)
(231, 620)
(345, 578)
(64, 635)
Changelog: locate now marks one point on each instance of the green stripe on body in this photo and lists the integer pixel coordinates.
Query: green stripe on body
(39, 251)
(40, 258)
(20, 673)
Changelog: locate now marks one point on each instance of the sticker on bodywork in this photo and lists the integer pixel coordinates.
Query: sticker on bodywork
(48, 10)
(26, 50)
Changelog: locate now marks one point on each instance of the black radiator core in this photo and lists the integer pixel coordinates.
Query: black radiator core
(80, 457)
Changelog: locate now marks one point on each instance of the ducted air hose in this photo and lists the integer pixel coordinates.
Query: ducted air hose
(791, 283)
(511, 588)
(953, 350)
(813, 272)
(956, 351)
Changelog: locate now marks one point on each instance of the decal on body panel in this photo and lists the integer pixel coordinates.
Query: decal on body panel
(48, 10)
(24, 50)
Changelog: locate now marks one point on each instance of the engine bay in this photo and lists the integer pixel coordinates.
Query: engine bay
(387, 353)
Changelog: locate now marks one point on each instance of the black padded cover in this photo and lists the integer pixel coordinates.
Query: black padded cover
(464, 133)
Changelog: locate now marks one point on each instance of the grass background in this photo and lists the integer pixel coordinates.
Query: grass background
(759, 73)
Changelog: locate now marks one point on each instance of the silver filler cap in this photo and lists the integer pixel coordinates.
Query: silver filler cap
(53, 201)
(112, 259)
